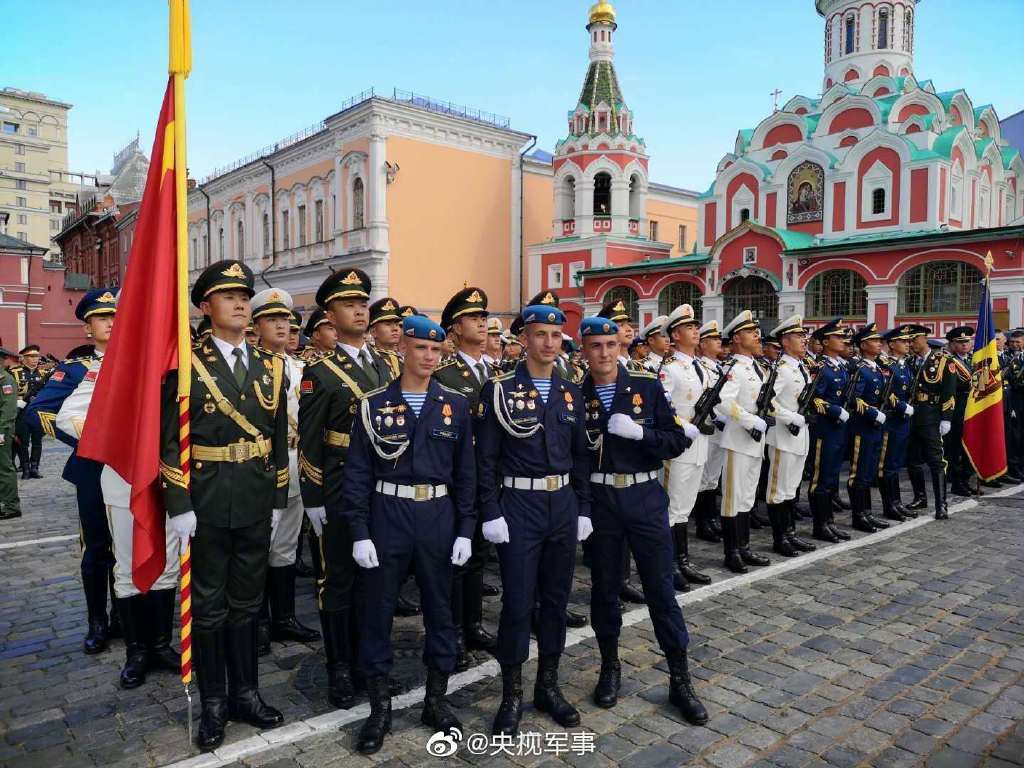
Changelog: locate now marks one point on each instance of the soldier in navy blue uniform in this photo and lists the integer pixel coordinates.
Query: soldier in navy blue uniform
(866, 426)
(631, 430)
(410, 494)
(96, 310)
(534, 497)
(897, 426)
(828, 431)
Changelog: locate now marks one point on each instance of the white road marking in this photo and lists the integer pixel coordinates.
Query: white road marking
(45, 540)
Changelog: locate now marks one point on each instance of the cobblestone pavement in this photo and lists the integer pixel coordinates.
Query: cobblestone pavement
(903, 650)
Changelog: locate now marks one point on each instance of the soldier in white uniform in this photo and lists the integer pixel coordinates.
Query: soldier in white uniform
(743, 453)
(657, 342)
(271, 317)
(148, 620)
(684, 380)
(788, 439)
(706, 508)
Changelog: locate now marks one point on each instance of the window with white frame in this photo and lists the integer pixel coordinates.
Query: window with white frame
(956, 193)
(742, 205)
(240, 240)
(876, 193)
(266, 234)
(575, 268)
(682, 238)
(750, 255)
(302, 225)
(554, 275)
(984, 196)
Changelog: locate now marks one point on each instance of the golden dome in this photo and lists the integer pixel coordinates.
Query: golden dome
(602, 12)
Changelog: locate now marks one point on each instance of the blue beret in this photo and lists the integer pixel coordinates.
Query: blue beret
(97, 301)
(540, 313)
(598, 326)
(422, 327)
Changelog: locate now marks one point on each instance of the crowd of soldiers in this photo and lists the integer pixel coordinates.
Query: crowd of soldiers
(397, 447)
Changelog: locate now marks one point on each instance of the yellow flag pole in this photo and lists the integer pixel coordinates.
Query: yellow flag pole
(179, 66)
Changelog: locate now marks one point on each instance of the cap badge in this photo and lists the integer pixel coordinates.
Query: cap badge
(619, 307)
(551, 317)
(388, 306)
(235, 270)
(606, 327)
(351, 279)
(548, 298)
(106, 298)
(474, 298)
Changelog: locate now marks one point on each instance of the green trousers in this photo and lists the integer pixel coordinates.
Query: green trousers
(9, 501)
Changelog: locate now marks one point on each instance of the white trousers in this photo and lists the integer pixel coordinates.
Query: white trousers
(740, 476)
(122, 529)
(713, 467)
(682, 481)
(785, 472)
(286, 535)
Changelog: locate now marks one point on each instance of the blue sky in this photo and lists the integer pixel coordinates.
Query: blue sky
(693, 71)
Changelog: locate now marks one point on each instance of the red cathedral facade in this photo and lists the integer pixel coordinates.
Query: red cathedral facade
(878, 200)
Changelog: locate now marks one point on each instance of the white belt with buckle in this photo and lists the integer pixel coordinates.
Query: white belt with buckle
(422, 492)
(549, 483)
(623, 480)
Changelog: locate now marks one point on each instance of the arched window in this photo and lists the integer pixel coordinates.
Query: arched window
(940, 287)
(878, 201)
(753, 293)
(568, 209)
(908, 31)
(220, 243)
(851, 34)
(636, 206)
(628, 297)
(240, 241)
(744, 215)
(836, 292)
(358, 204)
(602, 194)
(956, 197)
(674, 294)
(266, 234)
(883, 28)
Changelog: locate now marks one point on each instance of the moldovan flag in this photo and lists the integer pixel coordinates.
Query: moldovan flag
(983, 420)
(151, 333)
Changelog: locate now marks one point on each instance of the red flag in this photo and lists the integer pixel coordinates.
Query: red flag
(123, 427)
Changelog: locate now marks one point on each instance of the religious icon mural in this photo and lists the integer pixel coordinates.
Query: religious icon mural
(806, 193)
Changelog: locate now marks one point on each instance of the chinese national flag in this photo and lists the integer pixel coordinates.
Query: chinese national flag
(123, 426)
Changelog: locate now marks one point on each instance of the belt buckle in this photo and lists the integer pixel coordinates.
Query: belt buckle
(552, 481)
(238, 452)
(421, 492)
(619, 480)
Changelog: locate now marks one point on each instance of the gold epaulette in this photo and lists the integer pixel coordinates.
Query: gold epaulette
(450, 390)
(645, 374)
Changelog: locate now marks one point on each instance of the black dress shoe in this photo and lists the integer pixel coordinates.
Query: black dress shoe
(547, 696)
(918, 503)
(406, 607)
(212, 721)
(679, 582)
(575, 620)
(245, 705)
(489, 590)
(839, 533)
(479, 639)
(752, 558)
(291, 629)
(33, 472)
(880, 525)
(800, 544)
(734, 562)
(631, 594)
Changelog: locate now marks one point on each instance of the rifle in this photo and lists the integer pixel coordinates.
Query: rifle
(764, 401)
(803, 404)
(708, 400)
(850, 395)
(887, 389)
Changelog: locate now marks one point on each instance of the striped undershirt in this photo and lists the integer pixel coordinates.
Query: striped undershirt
(415, 400)
(606, 393)
(544, 387)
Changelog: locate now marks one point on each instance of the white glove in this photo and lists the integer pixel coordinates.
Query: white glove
(365, 554)
(944, 427)
(275, 518)
(584, 528)
(2, 439)
(317, 518)
(880, 418)
(844, 415)
(759, 424)
(620, 424)
(908, 411)
(496, 531)
(461, 550)
(21, 403)
(184, 527)
(690, 431)
(798, 420)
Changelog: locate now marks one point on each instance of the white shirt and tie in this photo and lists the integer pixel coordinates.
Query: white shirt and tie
(479, 367)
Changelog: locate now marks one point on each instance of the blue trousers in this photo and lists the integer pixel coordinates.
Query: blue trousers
(867, 449)
(97, 545)
(828, 446)
(637, 515)
(408, 533)
(894, 447)
(537, 563)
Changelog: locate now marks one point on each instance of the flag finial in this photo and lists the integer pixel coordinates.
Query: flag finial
(989, 261)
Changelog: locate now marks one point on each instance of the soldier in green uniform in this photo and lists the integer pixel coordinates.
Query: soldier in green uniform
(30, 380)
(332, 387)
(10, 505)
(934, 390)
(959, 469)
(239, 485)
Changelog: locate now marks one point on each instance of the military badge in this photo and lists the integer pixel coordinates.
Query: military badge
(638, 403)
(209, 407)
(446, 412)
(235, 270)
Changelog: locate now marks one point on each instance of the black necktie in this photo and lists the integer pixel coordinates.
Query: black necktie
(700, 374)
(757, 370)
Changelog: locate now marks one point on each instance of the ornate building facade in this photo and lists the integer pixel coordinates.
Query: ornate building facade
(878, 200)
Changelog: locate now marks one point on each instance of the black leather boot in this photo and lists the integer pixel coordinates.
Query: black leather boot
(97, 638)
(114, 632)
(789, 515)
(897, 501)
(679, 582)
(160, 612)
(939, 489)
(33, 470)
(461, 657)
(210, 655)
(743, 542)
(609, 680)
(479, 639)
(878, 524)
(373, 730)
(133, 621)
(627, 592)
(547, 696)
(888, 508)
(704, 513)
(283, 624)
(713, 506)
(796, 510)
(301, 569)
(510, 711)
(755, 520)
(680, 691)
(437, 710)
(860, 521)
(821, 511)
(263, 620)
(245, 705)
(341, 691)
(682, 545)
(406, 607)
(838, 532)
(730, 545)
(920, 500)
(780, 544)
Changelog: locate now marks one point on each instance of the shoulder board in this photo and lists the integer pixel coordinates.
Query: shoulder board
(376, 391)
(71, 360)
(642, 375)
(504, 376)
(451, 391)
(314, 362)
(446, 363)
